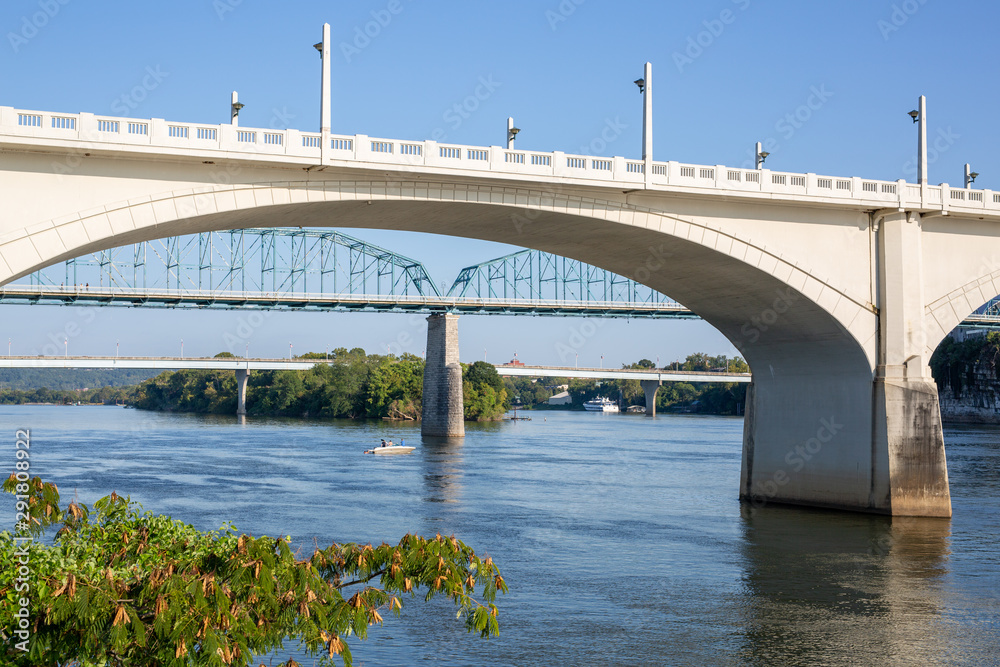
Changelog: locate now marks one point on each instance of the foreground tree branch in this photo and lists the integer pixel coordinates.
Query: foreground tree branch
(124, 587)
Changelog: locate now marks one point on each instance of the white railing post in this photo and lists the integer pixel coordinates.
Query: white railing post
(362, 147)
(559, 164)
(157, 131)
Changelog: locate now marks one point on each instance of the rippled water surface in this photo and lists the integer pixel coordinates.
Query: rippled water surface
(620, 536)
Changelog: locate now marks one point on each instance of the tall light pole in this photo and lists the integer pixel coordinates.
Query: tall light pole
(324, 91)
(182, 348)
(8, 346)
(66, 343)
(646, 88)
(246, 351)
(117, 343)
(289, 351)
(919, 115)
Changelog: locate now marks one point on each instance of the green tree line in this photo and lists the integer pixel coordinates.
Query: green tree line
(726, 398)
(353, 385)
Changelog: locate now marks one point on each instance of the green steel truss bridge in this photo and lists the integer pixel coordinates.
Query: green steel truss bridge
(327, 270)
(307, 269)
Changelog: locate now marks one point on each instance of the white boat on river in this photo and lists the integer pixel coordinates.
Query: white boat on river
(389, 447)
(601, 404)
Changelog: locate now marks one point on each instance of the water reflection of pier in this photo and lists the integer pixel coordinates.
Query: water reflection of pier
(442, 469)
(864, 588)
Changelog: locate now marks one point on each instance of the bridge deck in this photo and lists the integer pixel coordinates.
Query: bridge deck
(47, 130)
(103, 296)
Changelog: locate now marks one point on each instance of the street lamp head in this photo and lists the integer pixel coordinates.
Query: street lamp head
(641, 83)
(973, 176)
(513, 132)
(237, 106)
(763, 156)
(319, 47)
(915, 115)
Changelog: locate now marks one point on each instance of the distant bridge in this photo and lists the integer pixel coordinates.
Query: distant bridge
(311, 269)
(650, 379)
(652, 374)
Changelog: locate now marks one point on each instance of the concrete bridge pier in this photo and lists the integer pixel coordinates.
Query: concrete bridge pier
(442, 411)
(823, 428)
(650, 387)
(242, 376)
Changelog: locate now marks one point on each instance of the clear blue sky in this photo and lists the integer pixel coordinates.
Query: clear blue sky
(727, 73)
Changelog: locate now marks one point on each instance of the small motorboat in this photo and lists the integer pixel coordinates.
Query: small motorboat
(389, 447)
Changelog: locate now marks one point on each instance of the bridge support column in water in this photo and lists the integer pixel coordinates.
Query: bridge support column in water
(650, 387)
(823, 428)
(443, 413)
(242, 376)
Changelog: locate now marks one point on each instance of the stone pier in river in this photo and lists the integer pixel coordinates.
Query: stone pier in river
(442, 412)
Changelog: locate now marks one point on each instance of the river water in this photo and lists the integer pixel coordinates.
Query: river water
(620, 536)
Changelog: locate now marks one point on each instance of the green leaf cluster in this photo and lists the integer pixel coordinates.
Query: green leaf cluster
(119, 587)
(484, 393)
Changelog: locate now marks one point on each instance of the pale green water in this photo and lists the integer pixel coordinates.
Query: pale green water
(620, 536)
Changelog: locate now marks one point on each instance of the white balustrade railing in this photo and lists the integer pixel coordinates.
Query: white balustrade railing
(95, 130)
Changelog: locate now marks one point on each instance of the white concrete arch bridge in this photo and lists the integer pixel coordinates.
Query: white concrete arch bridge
(835, 289)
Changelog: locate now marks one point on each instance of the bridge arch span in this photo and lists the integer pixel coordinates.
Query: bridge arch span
(689, 259)
(811, 433)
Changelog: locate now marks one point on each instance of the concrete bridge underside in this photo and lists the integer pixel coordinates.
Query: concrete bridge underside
(836, 309)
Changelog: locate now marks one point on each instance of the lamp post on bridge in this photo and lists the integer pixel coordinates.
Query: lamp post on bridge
(511, 133)
(182, 348)
(66, 343)
(970, 176)
(759, 156)
(117, 343)
(646, 88)
(324, 92)
(234, 109)
(919, 116)
(289, 351)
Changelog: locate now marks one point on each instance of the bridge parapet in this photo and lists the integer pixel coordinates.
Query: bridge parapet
(115, 133)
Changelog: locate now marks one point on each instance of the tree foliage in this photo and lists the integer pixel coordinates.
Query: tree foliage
(353, 385)
(954, 364)
(484, 393)
(121, 587)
